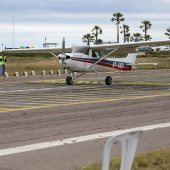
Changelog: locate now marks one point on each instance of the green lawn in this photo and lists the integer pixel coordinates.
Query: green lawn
(159, 160)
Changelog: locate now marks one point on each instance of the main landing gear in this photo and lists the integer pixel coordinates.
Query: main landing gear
(69, 80)
(108, 80)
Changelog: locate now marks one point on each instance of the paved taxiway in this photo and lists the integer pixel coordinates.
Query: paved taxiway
(38, 113)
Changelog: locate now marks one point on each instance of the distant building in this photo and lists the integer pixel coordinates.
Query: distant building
(47, 45)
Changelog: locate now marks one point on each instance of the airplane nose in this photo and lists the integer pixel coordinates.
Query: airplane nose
(63, 57)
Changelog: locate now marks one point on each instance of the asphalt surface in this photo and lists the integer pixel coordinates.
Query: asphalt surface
(39, 111)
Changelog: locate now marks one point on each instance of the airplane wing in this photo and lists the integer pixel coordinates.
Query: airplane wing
(132, 44)
(37, 50)
(125, 48)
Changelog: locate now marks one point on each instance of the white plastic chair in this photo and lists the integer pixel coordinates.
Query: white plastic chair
(129, 141)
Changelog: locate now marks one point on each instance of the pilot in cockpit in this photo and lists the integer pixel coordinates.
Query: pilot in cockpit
(96, 54)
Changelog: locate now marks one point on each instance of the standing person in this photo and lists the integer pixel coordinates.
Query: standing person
(1, 64)
(4, 63)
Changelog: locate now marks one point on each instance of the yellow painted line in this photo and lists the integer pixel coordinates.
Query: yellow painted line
(84, 102)
(40, 81)
(87, 82)
(102, 82)
(95, 82)
(61, 81)
(79, 82)
(48, 81)
(68, 97)
(53, 81)
(3, 110)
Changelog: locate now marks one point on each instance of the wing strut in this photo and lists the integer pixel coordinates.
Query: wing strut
(53, 54)
(104, 57)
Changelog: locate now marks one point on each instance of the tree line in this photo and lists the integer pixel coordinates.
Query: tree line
(125, 30)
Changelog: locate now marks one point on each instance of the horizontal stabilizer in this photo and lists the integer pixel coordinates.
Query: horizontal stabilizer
(138, 64)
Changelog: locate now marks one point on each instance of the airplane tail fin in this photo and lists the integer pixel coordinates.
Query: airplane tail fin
(131, 58)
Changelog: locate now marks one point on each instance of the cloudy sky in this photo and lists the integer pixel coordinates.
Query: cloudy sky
(35, 20)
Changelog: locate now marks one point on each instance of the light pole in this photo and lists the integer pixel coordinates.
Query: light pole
(13, 32)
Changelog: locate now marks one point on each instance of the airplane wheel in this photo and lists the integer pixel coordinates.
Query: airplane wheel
(108, 80)
(69, 80)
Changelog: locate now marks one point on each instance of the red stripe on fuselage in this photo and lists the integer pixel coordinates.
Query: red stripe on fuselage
(103, 64)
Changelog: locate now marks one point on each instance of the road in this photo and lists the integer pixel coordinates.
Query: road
(46, 124)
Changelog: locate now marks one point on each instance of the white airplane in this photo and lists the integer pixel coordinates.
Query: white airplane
(94, 58)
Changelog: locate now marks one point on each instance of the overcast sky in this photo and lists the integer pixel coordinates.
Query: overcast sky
(35, 20)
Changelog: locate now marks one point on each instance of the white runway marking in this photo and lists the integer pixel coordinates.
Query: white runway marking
(56, 143)
(26, 90)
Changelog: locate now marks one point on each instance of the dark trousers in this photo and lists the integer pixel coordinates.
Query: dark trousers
(3, 69)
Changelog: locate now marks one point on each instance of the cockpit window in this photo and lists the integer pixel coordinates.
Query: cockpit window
(97, 54)
(80, 49)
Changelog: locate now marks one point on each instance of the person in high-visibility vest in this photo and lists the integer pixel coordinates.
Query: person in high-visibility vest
(2, 64)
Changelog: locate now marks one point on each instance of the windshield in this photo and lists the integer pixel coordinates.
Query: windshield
(80, 49)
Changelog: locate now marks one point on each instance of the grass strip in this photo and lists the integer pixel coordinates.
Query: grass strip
(38, 62)
(159, 160)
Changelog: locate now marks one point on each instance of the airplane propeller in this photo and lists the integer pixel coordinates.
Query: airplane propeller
(63, 46)
(62, 56)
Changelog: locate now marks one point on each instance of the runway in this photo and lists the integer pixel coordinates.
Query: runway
(39, 109)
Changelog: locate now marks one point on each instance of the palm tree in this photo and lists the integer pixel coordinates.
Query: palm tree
(125, 31)
(146, 25)
(136, 37)
(127, 37)
(99, 41)
(118, 17)
(96, 31)
(87, 38)
(147, 38)
(168, 32)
